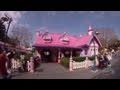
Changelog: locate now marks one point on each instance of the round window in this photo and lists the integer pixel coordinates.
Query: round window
(47, 53)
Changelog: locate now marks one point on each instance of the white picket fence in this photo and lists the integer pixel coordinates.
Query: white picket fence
(84, 64)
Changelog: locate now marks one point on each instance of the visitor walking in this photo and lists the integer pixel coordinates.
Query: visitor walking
(3, 65)
(106, 60)
(24, 64)
(101, 61)
(37, 60)
(10, 55)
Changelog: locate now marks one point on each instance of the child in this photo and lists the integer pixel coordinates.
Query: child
(30, 65)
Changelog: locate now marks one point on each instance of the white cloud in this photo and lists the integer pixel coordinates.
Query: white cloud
(111, 13)
(43, 28)
(16, 15)
(71, 12)
(92, 12)
(51, 13)
(24, 25)
(114, 13)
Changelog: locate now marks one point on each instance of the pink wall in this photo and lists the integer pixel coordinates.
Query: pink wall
(90, 49)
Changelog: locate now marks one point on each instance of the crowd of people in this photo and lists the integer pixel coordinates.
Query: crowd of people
(104, 58)
(10, 62)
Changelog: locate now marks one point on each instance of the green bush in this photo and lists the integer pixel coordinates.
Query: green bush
(79, 59)
(27, 56)
(92, 58)
(17, 55)
(65, 62)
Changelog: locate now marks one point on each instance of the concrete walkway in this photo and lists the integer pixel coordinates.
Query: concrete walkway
(115, 68)
(56, 71)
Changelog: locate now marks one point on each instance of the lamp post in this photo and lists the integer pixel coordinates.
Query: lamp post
(71, 62)
(59, 52)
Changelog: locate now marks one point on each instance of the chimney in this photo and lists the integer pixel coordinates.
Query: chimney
(80, 35)
(38, 33)
(90, 31)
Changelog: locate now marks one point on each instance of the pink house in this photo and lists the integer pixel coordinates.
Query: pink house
(53, 46)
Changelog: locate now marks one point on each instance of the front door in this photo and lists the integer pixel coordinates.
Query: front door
(49, 55)
(46, 56)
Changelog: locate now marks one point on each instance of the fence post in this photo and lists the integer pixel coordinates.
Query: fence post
(96, 60)
(28, 66)
(31, 65)
(86, 63)
(59, 56)
(71, 63)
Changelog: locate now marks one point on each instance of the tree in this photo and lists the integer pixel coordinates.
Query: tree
(3, 31)
(107, 36)
(115, 44)
(13, 41)
(22, 35)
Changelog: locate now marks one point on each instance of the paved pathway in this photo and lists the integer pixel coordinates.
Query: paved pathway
(115, 74)
(56, 71)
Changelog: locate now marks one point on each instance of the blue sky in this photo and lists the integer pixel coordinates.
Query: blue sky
(73, 22)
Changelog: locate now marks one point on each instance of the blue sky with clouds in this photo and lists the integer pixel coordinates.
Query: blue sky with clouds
(73, 22)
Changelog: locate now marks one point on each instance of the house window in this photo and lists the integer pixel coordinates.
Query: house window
(47, 37)
(65, 39)
(47, 53)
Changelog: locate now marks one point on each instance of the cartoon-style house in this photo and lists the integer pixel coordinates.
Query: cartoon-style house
(53, 46)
